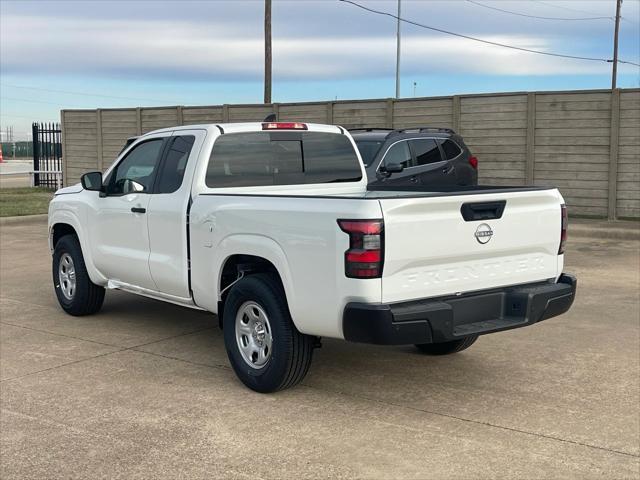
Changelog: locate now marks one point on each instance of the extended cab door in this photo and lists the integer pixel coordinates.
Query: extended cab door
(118, 229)
(168, 213)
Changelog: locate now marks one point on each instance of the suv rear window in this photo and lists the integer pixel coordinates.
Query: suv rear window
(450, 149)
(281, 158)
(426, 151)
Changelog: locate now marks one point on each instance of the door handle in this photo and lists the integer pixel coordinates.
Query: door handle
(482, 210)
(138, 210)
(414, 179)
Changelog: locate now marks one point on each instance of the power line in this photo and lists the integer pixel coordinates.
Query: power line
(536, 16)
(85, 94)
(569, 9)
(29, 100)
(488, 42)
(11, 115)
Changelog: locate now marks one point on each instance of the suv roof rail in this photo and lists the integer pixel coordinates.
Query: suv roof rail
(425, 130)
(370, 129)
(397, 131)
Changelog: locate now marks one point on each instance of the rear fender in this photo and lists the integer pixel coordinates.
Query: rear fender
(258, 246)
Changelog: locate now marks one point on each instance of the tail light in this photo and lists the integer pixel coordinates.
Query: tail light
(563, 231)
(284, 126)
(473, 161)
(365, 256)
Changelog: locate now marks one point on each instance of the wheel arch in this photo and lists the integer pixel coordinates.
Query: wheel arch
(59, 230)
(253, 254)
(237, 266)
(64, 222)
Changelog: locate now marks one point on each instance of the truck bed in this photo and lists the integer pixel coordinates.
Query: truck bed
(441, 191)
(382, 192)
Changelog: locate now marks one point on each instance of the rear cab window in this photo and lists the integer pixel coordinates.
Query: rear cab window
(281, 158)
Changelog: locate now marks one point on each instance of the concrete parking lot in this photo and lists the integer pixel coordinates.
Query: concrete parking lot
(144, 390)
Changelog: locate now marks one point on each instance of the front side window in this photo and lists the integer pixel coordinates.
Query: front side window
(135, 173)
(398, 154)
(426, 151)
(368, 150)
(175, 163)
(281, 158)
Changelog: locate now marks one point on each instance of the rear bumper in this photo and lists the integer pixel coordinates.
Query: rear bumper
(452, 318)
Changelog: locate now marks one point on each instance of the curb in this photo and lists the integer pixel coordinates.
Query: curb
(24, 220)
(602, 231)
(597, 234)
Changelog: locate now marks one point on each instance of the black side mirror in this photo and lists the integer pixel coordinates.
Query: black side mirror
(92, 181)
(392, 168)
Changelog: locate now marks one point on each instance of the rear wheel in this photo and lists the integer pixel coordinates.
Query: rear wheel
(76, 293)
(446, 348)
(265, 349)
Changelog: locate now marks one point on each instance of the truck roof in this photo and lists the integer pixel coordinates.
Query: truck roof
(247, 127)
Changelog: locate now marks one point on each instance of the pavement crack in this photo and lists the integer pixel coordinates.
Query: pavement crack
(170, 338)
(393, 404)
(476, 422)
(197, 364)
(9, 299)
(60, 334)
(119, 350)
(74, 362)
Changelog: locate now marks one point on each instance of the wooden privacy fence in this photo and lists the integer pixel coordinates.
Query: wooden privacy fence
(587, 143)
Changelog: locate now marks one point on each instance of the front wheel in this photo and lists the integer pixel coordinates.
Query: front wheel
(446, 348)
(76, 293)
(265, 349)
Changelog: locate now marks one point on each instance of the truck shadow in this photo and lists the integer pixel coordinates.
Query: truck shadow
(382, 371)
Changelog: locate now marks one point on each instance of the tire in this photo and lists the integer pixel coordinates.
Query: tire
(282, 358)
(446, 348)
(85, 297)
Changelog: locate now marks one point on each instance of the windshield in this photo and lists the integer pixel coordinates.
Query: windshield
(368, 150)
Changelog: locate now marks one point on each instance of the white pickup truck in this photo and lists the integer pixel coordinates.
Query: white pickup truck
(271, 227)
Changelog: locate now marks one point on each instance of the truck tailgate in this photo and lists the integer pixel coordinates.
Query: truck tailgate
(431, 250)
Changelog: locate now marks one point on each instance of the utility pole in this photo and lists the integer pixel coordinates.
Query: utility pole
(267, 51)
(614, 75)
(398, 53)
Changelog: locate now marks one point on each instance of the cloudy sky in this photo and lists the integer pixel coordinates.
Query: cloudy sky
(87, 54)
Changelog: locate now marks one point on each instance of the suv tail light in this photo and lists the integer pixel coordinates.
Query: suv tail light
(473, 161)
(365, 256)
(563, 231)
(284, 126)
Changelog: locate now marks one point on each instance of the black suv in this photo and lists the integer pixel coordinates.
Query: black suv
(415, 156)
